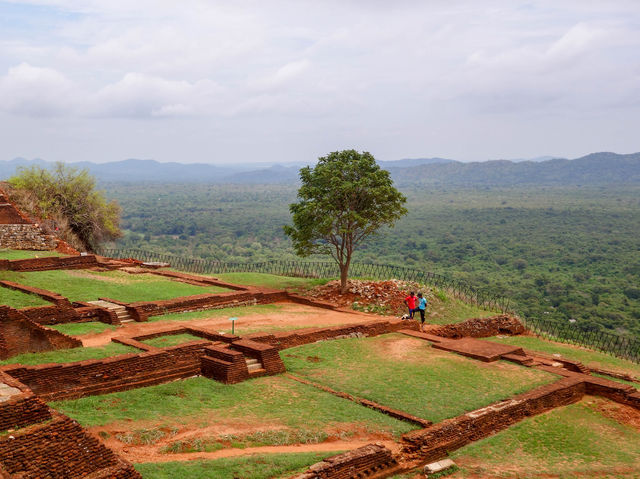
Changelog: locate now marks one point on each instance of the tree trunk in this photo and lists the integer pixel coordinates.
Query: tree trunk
(344, 274)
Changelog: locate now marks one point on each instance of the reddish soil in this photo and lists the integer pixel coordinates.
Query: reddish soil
(385, 294)
(290, 316)
(359, 436)
(616, 411)
(150, 453)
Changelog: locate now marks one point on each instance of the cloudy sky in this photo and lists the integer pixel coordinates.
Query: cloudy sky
(275, 80)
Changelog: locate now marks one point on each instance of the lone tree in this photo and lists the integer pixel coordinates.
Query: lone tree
(344, 199)
(66, 200)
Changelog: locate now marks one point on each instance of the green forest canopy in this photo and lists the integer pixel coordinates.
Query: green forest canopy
(557, 252)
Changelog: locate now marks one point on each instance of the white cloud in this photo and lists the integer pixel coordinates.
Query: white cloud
(326, 70)
(139, 95)
(33, 91)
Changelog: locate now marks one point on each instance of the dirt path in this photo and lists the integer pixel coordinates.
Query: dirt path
(150, 454)
(289, 316)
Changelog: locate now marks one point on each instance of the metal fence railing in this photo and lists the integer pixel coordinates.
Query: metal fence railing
(621, 346)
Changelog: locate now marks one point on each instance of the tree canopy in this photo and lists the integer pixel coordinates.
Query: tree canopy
(66, 200)
(344, 199)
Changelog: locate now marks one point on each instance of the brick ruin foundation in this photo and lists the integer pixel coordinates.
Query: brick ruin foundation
(481, 327)
(42, 443)
(18, 334)
(231, 359)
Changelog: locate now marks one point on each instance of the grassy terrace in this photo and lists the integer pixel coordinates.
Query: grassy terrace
(575, 441)
(84, 285)
(586, 356)
(18, 299)
(70, 355)
(407, 374)
(263, 466)
(171, 340)
(273, 401)
(79, 329)
(22, 254)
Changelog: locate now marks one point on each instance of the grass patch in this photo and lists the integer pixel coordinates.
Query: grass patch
(258, 466)
(272, 400)
(407, 374)
(84, 285)
(79, 329)
(567, 442)
(271, 281)
(23, 254)
(171, 340)
(586, 356)
(70, 355)
(281, 437)
(18, 299)
(455, 311)
(237, 312)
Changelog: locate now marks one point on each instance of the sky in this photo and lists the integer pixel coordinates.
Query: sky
(288, 81)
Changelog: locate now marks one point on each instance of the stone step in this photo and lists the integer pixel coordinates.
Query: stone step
(257, 372)
(254, 367)
(252, 361)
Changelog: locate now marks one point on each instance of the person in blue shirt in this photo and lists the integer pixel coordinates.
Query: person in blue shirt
(422, 307)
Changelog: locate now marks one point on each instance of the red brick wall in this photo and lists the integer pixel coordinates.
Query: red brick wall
(434, 442)
(481, 327)
(60, 449)
(101, 376)
(20, 335)
(22, 410)
(224, 364)
(360, 462)
(311, 335)
(52, 262)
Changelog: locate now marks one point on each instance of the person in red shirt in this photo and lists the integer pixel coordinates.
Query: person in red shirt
(410, 301)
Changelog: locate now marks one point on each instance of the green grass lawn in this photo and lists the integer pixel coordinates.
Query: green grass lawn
(262, 466)
(23, 254)
(79, 329)
(569, 442)
(84, 285)
(586, 356)
(70, 355)
(18, 299)
(407, 374)
(271, 280)
(171, 340)
(268, 401)
(454, 311)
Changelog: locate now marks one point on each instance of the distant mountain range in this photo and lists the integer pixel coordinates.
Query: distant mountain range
(594, 169)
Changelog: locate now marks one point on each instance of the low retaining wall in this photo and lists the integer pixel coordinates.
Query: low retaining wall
(50, 262)
(25, 236)
(362, 462)
(436, 441)
(299, 337)
(204, 301)
(481, 327)
(19, 335)
(403, 416)
(119, 373)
